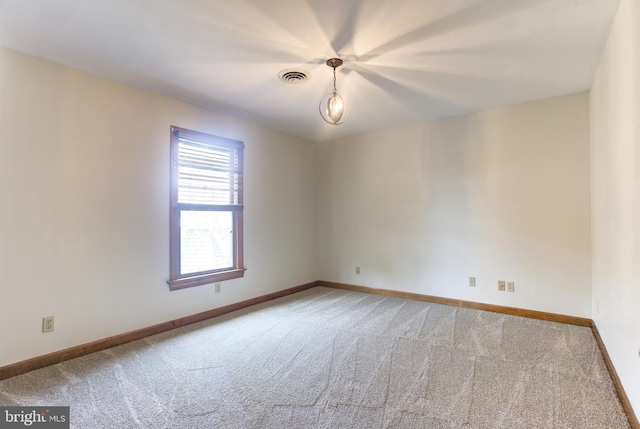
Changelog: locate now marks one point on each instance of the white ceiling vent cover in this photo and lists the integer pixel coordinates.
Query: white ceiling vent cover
(294, 76)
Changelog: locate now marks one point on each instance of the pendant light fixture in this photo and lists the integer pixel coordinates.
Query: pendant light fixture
(334, 107)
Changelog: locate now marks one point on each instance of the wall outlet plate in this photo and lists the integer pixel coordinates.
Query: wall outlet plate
(472, 282)
(218, 288)
(357, 270)
(511, 286)
(501, 285)
(48, 324)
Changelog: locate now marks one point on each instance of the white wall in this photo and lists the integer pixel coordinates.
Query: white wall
(500, 194)
(615, 173)
(84, 206)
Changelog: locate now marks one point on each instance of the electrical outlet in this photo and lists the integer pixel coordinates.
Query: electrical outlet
(472, 282)
(218, 288)
(357, 270)
(501, 285)
(511, 286)
(48, 324)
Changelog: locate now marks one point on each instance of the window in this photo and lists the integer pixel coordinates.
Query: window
(206, 209)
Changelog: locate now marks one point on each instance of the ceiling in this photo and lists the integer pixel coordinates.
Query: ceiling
(404, 60)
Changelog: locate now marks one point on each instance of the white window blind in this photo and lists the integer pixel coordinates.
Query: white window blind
(209, 174)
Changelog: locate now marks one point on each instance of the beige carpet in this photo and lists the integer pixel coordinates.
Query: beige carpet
(328, 358)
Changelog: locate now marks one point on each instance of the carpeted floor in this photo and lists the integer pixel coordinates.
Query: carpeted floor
(326, 358)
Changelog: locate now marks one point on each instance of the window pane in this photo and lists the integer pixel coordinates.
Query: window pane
(206, 241)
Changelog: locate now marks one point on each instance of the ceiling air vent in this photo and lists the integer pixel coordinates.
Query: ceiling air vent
(294, 76)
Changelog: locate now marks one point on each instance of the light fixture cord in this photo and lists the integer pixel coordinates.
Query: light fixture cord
(334, 81)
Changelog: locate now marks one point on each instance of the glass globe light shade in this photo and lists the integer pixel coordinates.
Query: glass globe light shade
(334, 109)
